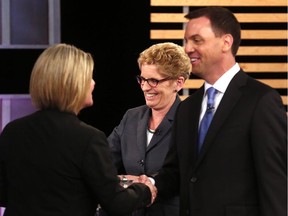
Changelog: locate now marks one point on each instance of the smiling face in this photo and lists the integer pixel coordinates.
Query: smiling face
(163, 95)
(204, 49)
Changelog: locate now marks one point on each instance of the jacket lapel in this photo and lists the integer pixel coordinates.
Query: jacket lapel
(165, 125)
(229, 100)
(142, 132)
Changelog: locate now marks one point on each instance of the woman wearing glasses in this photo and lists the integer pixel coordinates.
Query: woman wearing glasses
(141, 140)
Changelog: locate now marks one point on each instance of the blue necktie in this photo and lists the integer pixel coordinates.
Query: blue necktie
(207, 118)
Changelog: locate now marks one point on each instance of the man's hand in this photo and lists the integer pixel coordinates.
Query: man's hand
(145, 180)
(142, 179)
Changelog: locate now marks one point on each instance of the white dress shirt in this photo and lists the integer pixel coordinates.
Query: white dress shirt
(220, 85)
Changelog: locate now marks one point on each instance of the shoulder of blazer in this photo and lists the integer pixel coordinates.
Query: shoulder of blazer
(243, 79)
(138, 112)
(91, 128)
(195, 99)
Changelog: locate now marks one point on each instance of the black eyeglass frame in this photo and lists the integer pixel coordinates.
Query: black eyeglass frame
(141, 80)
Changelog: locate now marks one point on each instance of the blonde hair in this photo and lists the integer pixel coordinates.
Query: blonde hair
(170, 58)
(61, 78)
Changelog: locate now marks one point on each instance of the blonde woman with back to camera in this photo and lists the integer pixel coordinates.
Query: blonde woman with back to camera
(51, 163)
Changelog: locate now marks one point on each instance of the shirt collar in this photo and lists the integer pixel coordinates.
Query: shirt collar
(222, 83)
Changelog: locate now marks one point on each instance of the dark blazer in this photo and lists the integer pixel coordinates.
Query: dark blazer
(242, 169)
(128, 143)
(51, 163)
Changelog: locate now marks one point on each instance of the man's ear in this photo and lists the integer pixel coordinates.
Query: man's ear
(227, 42)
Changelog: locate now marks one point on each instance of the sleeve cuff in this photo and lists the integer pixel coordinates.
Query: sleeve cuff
(152, 180)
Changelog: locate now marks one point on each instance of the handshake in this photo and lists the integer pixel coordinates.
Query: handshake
(126, 180)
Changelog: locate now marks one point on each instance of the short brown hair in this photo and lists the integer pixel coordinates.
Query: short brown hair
(170, 58)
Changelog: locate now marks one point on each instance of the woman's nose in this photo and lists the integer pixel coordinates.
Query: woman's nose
(145, 85)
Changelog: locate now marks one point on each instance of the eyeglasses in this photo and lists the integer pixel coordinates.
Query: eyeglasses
(151, 81)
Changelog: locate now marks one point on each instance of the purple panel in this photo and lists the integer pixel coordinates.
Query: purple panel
(29, 22)
(1, 29)
(0, 125)
(21, 107)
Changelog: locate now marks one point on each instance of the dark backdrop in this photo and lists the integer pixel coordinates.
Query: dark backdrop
(114, 33)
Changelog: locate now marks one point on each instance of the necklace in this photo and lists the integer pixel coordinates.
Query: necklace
(150, 131)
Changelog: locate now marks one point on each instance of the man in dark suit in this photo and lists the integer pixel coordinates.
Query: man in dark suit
(241, 167)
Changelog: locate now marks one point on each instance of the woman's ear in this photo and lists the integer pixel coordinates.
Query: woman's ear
(179, 83)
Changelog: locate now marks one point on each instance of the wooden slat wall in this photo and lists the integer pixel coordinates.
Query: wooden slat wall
(245, 34)
(247, 3)
(263, 51)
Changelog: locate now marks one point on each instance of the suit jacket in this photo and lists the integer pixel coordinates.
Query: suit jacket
(242, 169)
(128, 142)
(51, 163)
